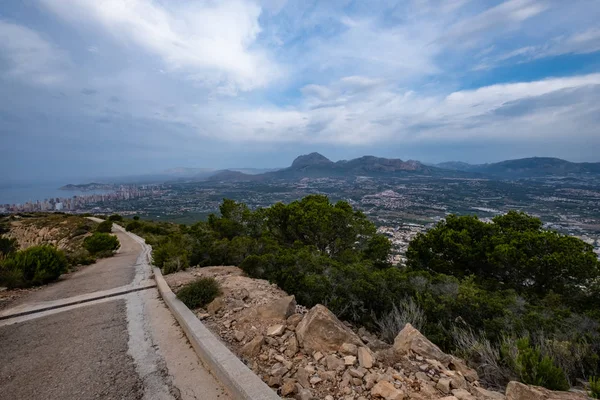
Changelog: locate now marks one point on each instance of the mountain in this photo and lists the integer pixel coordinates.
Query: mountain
(315, 165)
(526, 168)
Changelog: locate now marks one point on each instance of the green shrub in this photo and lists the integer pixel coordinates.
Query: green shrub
(36, 265)
(199, 293)
(594, 390)
(8, 246)
(132, 226)
(136, 218)
(80, 257)
(115, 218)
(104, 227)
(170, 255)
(101, 243)
(531, 367)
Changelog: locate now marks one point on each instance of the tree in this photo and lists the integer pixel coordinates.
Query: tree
(512, 252)
(115, 218)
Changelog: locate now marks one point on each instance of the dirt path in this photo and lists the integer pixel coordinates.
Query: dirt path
(122, 347)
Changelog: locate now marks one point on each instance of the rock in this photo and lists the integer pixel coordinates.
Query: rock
(462, 394)
(202, 316)
(278, 309)
(520, 391)
(276, 330)
(365, 358)
(448, 398)
(274, 381)
(356, 373)
(443, 385)
(214, 306)
(370, 380)
(315, 379)
(320, 330)
(348, 349)
(304, 394)
(279, 370)
(239, 335)
(457, 381)
(302, 375)
(329, 397)
(410, 339)
(423, 377)
(459, 365)
(288, 387)
(293, 320)
(349, 360)
(386, 390)
(333, 363)
(292, 346)
(485, 394)
(241, 294)
(252, 348)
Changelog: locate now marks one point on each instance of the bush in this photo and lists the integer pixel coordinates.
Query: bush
(36, 265)
(8, 246)
(594, 390)
(136, 218)
(392, 322)
(199, 293)
(115, 218)
(532, 367)
(80, 257)
(170, 255)
(132, 226)
(101, 243)
(104, 227)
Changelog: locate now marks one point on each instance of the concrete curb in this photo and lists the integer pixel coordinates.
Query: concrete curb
(241, 382)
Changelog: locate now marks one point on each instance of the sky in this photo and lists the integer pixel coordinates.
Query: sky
(124, 87)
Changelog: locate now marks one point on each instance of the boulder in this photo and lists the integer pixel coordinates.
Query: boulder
(459, 365)
(365, 358)
(443, 385)
(348, 349)
(485, 394)
(252, 348)
(386, 390)
(277, 309)
(519, 391)
(214, 306)
(276, 330)
(239, 335)
(333, 363)
(410, 339)
(293, 320)
(288, 387)
(462, 394)
(320, 330)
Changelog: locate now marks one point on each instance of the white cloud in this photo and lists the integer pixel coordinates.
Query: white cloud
(329, 115)
(212, 42)
(29, 57)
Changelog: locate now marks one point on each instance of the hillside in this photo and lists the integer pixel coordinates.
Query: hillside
(526, 167)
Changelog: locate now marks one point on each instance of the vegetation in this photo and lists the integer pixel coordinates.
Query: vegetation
(199, 293)
(115, 218)
(104, 226)
(497, 283)
(36, 265)
(101, 244)
(594, 390)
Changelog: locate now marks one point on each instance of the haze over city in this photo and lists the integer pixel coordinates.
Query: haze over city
(108, 88)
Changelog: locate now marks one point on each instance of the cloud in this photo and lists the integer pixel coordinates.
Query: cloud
(543, 108)
(213, 43)
(29, 57)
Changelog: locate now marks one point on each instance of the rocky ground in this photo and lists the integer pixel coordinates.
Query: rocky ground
(310, 354)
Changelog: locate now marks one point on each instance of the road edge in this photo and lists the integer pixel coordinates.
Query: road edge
(241, 382)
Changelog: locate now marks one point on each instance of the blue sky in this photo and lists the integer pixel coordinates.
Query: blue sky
(116, 87)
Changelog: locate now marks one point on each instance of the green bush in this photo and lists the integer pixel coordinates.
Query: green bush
(80, 257)
(136, 218)
(101, 243)
(104, 227)
(8, 246)
(594, 390)
(532, 367)
(132, 226)
(171, 255)
(199, 293)
(115, 218)
(36, 265)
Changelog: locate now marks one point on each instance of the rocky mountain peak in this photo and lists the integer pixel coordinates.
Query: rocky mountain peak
(310, 159)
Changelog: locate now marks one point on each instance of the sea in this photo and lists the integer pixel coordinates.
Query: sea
(21, 193)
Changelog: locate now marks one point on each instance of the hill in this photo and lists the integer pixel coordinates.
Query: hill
(526, 168)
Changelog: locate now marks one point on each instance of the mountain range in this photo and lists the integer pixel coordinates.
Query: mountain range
(315, 165)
